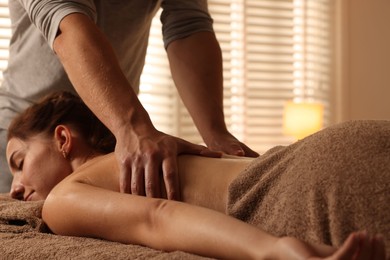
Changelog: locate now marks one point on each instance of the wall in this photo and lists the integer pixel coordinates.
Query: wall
(365, 64)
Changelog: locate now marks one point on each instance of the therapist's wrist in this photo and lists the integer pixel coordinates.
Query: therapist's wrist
(145, 128)
(211, 135)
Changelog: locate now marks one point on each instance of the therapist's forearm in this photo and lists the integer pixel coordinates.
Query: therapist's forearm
(196, 65)
(94, 71)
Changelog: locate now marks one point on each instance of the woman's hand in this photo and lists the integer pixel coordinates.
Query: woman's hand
(358, 246)
(144, 157)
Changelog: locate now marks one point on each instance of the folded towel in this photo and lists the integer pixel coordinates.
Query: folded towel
(321, 188)
(20, 217)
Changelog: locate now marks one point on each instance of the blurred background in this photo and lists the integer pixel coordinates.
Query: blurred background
(291, 67)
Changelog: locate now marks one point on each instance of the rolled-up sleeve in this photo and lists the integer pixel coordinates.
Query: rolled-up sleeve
(46, 15)
(181, 18)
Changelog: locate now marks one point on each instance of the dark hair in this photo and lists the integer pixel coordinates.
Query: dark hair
(62, 108)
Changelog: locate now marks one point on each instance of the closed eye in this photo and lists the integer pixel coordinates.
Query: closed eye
(20, 165)
(16, 161)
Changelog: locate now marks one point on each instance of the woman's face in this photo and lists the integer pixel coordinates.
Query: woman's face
(37, 166)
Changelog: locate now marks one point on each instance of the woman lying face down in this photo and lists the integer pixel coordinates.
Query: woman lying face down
(59, 152)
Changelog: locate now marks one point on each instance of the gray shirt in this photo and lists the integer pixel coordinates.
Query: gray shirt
(34, 70)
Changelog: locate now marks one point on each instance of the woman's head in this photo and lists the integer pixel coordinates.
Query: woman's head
(67, 109)
(49, 140)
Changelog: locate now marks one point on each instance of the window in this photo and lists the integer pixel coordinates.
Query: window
(274, 51)
(5, 35)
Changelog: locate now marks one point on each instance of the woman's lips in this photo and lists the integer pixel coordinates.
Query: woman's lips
(29, 197)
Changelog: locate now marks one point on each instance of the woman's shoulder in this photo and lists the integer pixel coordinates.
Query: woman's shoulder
(100, 171)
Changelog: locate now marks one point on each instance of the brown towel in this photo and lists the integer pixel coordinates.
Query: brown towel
(20, 217)
(23, 235)
(321, 188)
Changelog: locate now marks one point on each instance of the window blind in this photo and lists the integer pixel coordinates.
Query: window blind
(5, 35)
(273, 51)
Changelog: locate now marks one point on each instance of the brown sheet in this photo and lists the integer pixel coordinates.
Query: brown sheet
(321, 188)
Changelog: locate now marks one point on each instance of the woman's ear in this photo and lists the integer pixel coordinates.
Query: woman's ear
(63, 139)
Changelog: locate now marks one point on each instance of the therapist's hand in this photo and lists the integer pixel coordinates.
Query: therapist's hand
(144, 157)
(225, 142)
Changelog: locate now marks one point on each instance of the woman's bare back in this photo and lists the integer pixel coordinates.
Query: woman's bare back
(203, 181)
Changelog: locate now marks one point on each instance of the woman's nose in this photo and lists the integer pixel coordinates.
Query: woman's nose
(17, 192)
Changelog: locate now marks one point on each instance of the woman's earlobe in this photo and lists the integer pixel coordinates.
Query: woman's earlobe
(65, 154)
(63, 139)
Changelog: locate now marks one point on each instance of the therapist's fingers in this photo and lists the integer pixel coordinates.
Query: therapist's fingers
(185, 147)
(171, 178)
(234, 147)
(125, 177)
(152, 177)
(248, 152)
(227, 143)
(138, 178)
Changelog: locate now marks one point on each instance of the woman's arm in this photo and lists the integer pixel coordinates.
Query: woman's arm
(79, 209)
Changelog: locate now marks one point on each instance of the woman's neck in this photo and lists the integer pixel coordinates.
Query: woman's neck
(81, 158)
